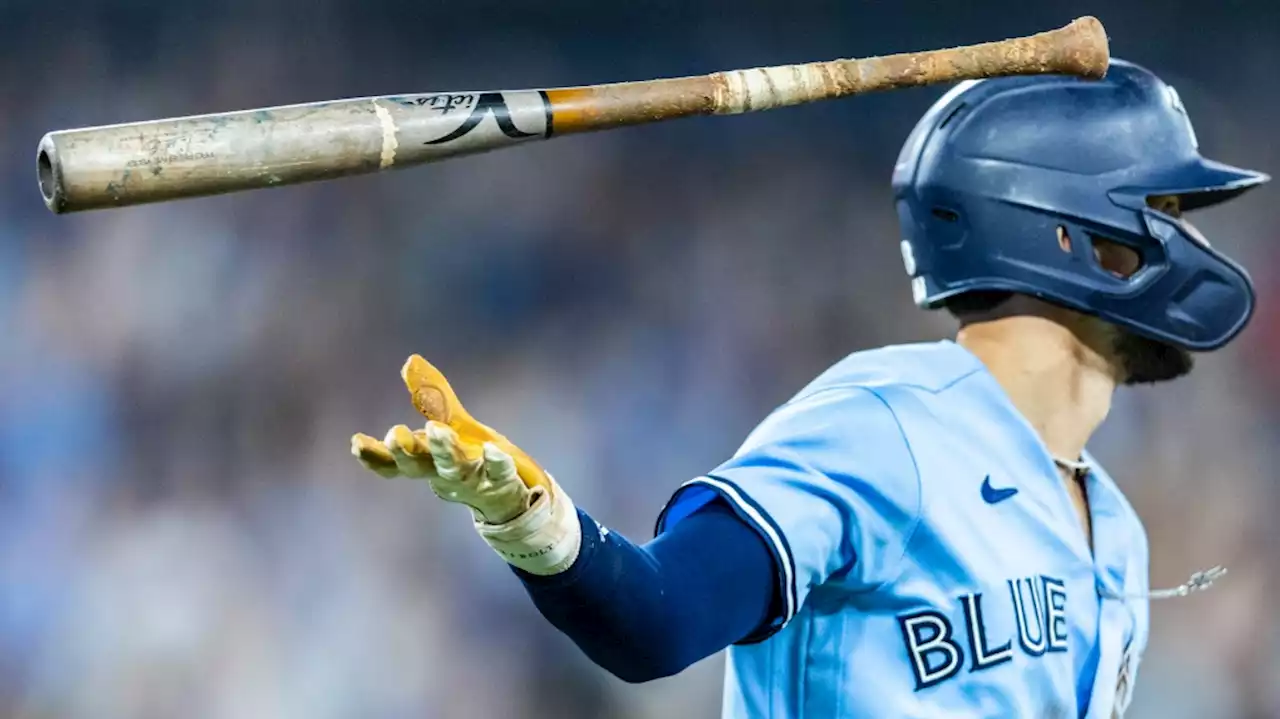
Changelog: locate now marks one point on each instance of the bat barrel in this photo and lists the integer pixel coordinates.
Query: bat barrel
(130, 164)
(49, 173)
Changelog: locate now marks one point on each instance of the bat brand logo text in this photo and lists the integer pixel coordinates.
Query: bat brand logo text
(480, 106)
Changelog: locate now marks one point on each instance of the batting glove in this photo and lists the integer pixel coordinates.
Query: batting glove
(517, 507)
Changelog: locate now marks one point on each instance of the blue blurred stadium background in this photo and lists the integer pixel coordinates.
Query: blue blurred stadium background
(182, 531)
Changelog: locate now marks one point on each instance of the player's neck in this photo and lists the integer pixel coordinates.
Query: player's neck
(1058, 383)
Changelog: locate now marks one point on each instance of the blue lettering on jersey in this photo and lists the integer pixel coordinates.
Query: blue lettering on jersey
(1027, 592)
(1039, 608)
(983, 657)
(928, 635)
(1055, 593)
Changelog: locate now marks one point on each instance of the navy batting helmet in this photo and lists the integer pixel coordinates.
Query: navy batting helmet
(1008, 184)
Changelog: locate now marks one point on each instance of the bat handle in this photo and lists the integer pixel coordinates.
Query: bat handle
(1079, 48)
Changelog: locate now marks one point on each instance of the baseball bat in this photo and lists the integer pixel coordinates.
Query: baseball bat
(135, 163)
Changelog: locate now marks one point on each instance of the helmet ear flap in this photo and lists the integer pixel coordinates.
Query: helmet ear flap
(1117, 259)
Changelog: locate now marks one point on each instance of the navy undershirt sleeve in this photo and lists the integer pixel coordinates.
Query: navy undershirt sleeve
(646, 612)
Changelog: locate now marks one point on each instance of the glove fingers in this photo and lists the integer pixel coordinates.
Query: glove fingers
(435, 399)
(498, 465)
(446, 449)
(430, 391)
(410, 452)
(374, 456)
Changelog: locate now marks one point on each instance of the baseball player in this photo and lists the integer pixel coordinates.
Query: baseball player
(920, 531)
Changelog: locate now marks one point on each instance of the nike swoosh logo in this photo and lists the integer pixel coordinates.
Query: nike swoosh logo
(993, 495)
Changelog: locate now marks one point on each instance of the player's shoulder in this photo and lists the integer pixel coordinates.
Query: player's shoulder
(861, 395)
(928, 367)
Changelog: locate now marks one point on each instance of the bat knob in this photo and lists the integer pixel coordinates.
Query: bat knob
(1083, 49)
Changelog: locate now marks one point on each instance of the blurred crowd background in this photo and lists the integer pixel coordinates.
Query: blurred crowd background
(182, 530)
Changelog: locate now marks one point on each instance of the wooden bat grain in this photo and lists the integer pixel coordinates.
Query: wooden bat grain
(154, 161)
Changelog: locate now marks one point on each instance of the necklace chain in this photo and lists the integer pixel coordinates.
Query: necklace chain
(1198, 582)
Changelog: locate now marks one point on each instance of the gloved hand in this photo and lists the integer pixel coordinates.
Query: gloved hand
(516, 506)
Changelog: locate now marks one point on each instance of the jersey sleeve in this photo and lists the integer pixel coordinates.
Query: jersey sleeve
(829, 482)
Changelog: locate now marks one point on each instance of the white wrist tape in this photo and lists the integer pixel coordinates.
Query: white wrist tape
(544, 540)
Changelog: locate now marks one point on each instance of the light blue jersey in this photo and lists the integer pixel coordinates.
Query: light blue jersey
(931, 561)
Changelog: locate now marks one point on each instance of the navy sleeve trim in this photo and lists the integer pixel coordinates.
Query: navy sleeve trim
(755, 516)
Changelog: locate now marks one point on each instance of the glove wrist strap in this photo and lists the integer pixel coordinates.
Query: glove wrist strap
(544, 540)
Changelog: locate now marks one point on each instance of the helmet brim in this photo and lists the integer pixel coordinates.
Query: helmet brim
(1199, 183)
